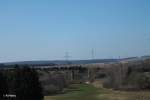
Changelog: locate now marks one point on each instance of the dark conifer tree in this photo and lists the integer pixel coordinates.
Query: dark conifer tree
(3, 86)
(27, 85)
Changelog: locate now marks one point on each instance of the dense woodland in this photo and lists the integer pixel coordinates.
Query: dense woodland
(129, 75)
(33, 84)
(23, 83)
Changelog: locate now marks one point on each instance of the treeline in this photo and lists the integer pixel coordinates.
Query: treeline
(20, 84)
(23, 82)
(54, 82)
(129, 76)
(55, 79)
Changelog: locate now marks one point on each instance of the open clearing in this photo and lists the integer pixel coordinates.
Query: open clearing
(89, 92)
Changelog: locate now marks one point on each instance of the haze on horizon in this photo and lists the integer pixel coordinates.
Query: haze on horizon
(46, 29)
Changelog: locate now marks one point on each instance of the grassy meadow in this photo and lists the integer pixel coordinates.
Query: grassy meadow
(90, 92)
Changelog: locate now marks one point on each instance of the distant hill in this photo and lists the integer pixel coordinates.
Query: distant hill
(131, 59)
(59, 62)
(145, 57)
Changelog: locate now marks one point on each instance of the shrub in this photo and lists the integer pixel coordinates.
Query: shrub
(139, 80)
(51, 89)
(53, 83)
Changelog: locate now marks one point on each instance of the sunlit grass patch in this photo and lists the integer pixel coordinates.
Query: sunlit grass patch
(89, 92)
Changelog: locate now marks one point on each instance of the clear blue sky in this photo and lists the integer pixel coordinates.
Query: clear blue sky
(46, 29)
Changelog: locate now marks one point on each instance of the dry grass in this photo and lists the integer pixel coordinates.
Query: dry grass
(90, 92)
(109, 94)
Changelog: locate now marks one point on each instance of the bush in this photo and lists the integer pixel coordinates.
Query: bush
(51, 89)
(108, 82)
(53, 83)
(139, 80)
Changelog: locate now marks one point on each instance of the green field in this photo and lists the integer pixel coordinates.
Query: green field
(89, 92)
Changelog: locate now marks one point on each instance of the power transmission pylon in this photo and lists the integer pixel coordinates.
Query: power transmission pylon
(67, 56)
